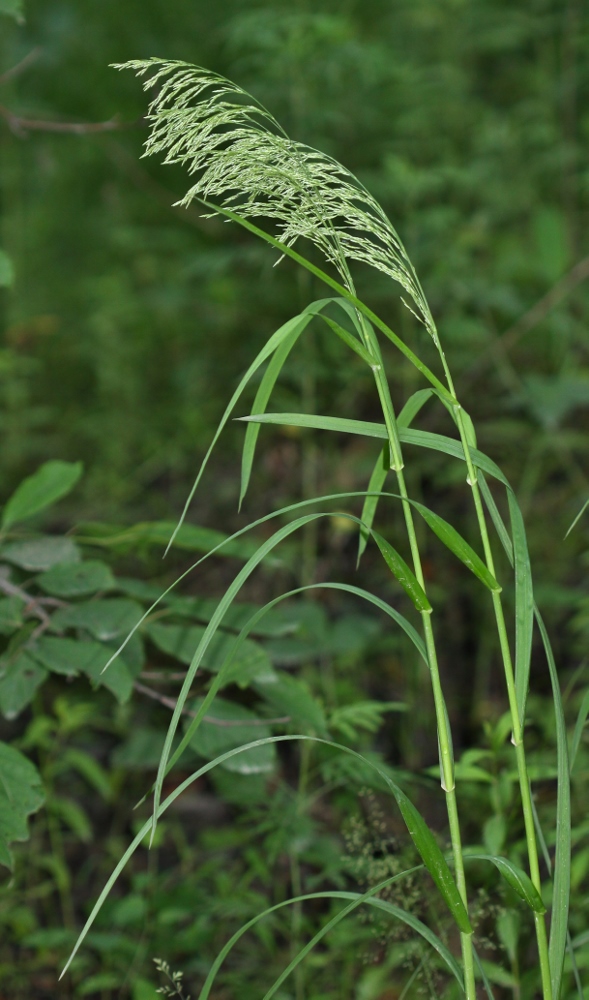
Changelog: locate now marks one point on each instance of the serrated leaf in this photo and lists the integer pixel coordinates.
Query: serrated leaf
(20, 677)
(106, 619)
(49, 483)
(234, 726)
(41, 553)
(403, 574)
(73, 656)
(516, 878)
(21, 794)
(181, 641)
(457, 544)
(77, 579)
(289, 697)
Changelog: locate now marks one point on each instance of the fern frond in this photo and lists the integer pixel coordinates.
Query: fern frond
(244, 159)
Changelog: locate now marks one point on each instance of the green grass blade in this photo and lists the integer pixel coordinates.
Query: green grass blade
(381, 904)
(263, 394)
(457, 544)
(407, 435)
(419, 831)
(578, 518)
(365, 897)
(375, 485)
(352, 342)
(524, 605)
(403, 574)
(335, 285)
(579, 726)
(519, 881)
(483, 975)
(269, 347)
(562, 853)
(413, 406)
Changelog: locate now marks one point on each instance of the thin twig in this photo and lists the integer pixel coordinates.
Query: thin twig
(19, 67)
(171, 703)
(20, 126)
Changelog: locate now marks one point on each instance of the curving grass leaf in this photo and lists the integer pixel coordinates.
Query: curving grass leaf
(420, 833)
(519, 881)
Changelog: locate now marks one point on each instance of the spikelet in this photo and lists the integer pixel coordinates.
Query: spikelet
(243, 159)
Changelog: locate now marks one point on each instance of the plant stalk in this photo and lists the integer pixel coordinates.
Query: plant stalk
(517, 723)
(442, 721)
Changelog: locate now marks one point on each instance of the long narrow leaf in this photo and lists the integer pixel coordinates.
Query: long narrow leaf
(269, 347)
(380, 904)
(340, 289)
(375, 485)
(262, 396)
(403, 574)
(457, 544)
(422, 836)
(519, 881)
(579, 726)
(562, 856)
(524, 606)
(407, 435)
(413, 406)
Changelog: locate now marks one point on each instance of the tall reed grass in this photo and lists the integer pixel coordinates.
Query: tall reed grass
(245, 167)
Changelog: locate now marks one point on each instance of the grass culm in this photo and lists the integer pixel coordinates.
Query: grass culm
(245, 167)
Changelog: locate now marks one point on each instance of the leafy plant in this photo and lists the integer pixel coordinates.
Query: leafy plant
(240, 155)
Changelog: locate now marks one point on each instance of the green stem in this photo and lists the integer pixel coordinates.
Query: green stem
(517, 723)
(442, 721)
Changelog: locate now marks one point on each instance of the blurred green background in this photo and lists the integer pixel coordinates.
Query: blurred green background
(126, 322)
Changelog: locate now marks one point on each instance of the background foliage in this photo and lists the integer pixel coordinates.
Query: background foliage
(124, 322)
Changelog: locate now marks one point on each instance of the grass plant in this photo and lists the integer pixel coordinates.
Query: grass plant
(245, 167)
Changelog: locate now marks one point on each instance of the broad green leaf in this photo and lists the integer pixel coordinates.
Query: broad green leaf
(47, 485)
(375, 485)
(20, 676)
(73, 656)
(289, 697)
(275, 366)
(41, 553)
(252, 662)
(77, 579)
(21, 794)
(228, 725)
(106, 619)
(456, 543)
(11, 614)
(190, 538)
(403, 574)
(516, 878)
